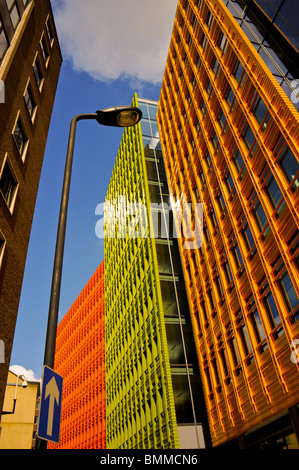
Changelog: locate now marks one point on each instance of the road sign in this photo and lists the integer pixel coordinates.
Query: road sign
(50, 406)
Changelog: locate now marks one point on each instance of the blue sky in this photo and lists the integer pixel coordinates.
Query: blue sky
(91, 78)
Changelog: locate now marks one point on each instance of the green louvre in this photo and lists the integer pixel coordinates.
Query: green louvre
(140, 409)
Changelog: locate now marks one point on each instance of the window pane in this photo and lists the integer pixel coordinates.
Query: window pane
(289, 290)
(3, 42)
(29, 101)
(44, 49)
(259, 110)
(7, 185)
(260, 215)
(15, 17)
(289, 165)
(259, 327)
(152, 111)
(145, 127)
(272, 310)
(143, 108)
(274, 192)
(20, 137)
(37, 72)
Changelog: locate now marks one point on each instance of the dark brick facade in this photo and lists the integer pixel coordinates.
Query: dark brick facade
(16, 70)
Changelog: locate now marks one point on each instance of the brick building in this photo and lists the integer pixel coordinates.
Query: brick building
(30, 61)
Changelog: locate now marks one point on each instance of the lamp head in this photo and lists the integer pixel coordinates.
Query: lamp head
(119, 116)
(24, 384)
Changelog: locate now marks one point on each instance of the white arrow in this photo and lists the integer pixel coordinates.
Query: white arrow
(52, 392)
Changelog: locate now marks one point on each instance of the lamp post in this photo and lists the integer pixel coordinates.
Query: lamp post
(120, 116)
(24, 385)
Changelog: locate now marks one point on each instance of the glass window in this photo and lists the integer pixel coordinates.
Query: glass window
(288, 290)
(152, 108)
(229, 182)
(154, 127)
(260, 215)
(38, 73)
(50, 31)
(272, 310)
(289, 165)
(234, 351)
(269, 7)
(248, 136)
(221, 118)
(258, 327)
(259, 110)
(30, 103)
(247, 235)
(145, 127)
(227, 271)
(243, 334)
(238, 72)
(272, 61)
(214, 65)
(287, 21)
(273, 191)
(229, 96)
(143, 107)
(44, 49)
(222, 42)
(237, 255)
(8, 185)
(20, 137)
(13, 12)
(238, 161)
(3, 41)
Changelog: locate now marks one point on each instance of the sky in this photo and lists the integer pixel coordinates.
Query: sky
(110, 50)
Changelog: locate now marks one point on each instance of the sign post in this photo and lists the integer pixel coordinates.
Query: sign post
(50, 406)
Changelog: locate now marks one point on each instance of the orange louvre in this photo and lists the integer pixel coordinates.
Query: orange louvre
(80, 359)
(227, 130)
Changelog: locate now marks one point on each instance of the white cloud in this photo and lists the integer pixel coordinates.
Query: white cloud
(28, 373)
(111, 39)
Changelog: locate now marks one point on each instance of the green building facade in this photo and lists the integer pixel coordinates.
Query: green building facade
(153, 389)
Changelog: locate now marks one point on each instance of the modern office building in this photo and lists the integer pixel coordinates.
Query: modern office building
(229, 132)
(272, 27)
(153, 389)
(30, 61)
(80, 359)
(20, 411)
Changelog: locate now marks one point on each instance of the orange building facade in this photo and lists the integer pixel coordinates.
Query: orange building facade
(80, 359)
(230, 138)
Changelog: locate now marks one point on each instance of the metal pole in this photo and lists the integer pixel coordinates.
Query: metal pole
(58, 259)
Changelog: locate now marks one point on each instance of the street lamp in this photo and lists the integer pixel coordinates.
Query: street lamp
(120, 116)
(24, 385)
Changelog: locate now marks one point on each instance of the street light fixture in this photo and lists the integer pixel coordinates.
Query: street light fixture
(24, 385)
(120, 116)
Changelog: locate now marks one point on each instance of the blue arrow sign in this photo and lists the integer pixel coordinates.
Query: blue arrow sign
(50, 406)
